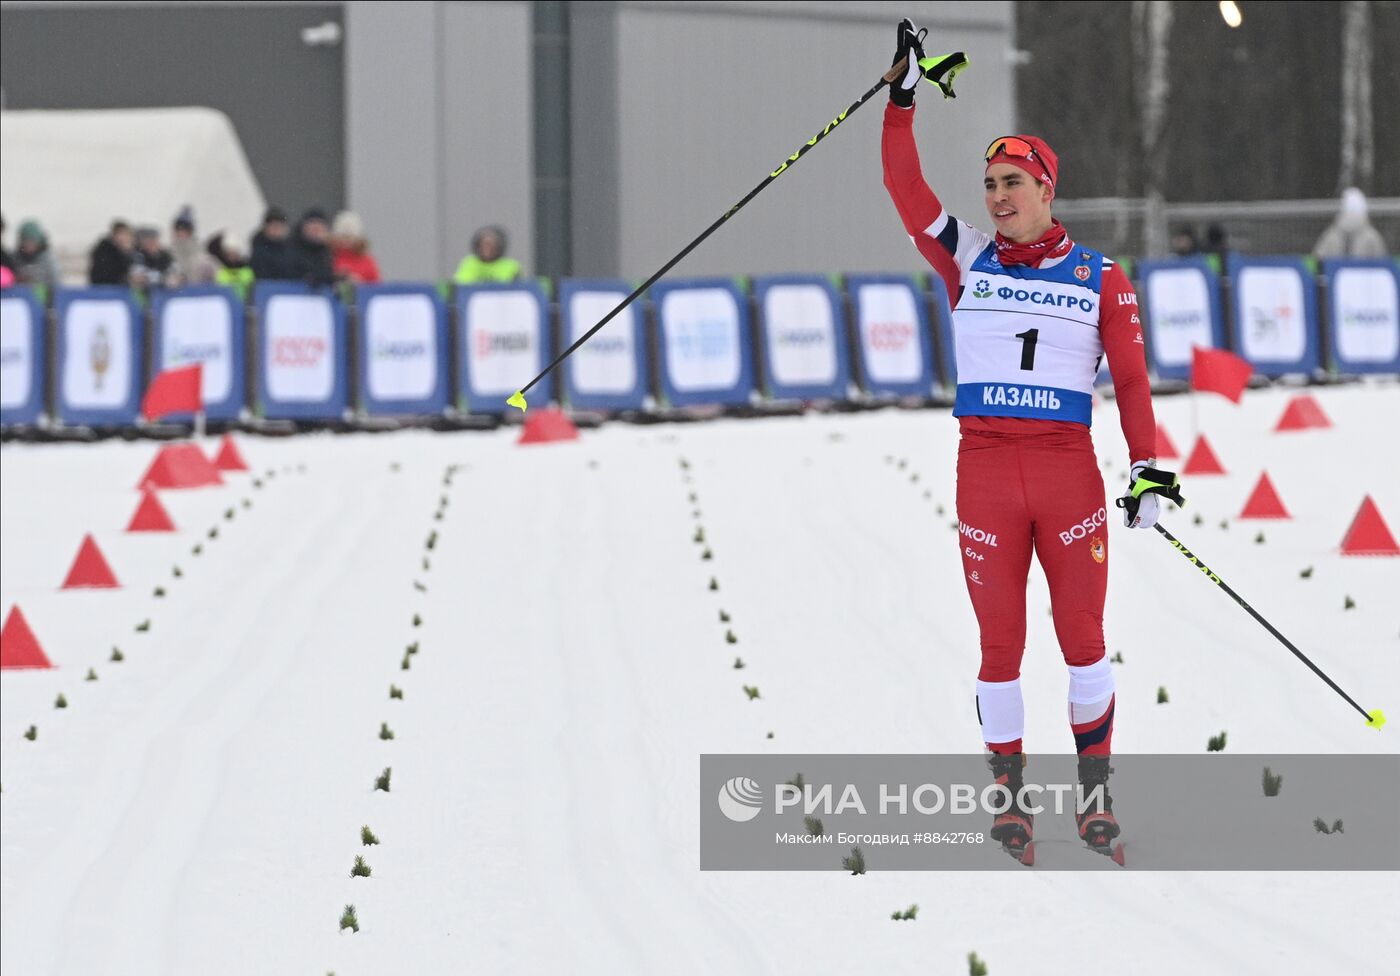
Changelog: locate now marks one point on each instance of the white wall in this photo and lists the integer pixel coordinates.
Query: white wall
(438, 129)
(712, 97)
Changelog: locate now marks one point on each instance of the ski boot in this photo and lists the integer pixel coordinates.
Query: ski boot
(1013, 829)
(1097, 825)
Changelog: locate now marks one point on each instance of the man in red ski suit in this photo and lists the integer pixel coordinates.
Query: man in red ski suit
(1034, 314)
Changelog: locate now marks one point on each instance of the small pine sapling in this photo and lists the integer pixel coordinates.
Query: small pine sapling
(117, 655)
(360, 868)
(1216, 743)
(738, 664)
(1271, 782)
(975, 966)
(751, 691)
(60, 701)
(348, 919)
(32, 733)
(395, 691)
(91, 675)
(729, 637)
(382, 782)
(814, 826)
(384, 731)
(1305, 573)
(855, 863)
(367, 836)
(1161, 695)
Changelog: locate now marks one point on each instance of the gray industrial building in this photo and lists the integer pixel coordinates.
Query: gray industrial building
(602, 135)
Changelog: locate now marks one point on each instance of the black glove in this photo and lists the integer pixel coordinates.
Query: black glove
(909, 47)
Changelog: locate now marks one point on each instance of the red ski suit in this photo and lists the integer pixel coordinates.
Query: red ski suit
(1029, 485)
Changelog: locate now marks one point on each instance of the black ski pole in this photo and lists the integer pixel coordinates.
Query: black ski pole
(940, 70)
(1375, 719)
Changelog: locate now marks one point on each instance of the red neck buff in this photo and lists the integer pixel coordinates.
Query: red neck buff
(1051, 244)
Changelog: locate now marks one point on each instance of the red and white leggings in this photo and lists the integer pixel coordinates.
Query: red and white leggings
(1040, 493)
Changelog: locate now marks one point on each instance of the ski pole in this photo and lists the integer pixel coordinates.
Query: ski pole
(934, 69)
(1375, 719)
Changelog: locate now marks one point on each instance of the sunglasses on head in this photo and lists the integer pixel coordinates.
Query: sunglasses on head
(1012, 146)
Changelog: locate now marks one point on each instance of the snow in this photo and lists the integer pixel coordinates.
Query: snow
(198, 808)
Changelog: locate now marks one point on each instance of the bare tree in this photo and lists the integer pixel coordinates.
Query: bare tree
(1358, 126)
(1152, 24)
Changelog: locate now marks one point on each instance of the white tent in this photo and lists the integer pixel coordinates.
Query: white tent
(74, 171)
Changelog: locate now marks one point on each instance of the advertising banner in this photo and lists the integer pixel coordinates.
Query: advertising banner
(609, 371)
(1180, 301)
(302, 351)
(892, 334)
(706, 348)
(22, 337)
(205, 326)
(403, 349)
(505, 340)
(1364, 314)
(803, 337)
(1275, 305)
(99, 356)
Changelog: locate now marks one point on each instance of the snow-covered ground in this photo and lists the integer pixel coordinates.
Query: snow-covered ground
(198, 807)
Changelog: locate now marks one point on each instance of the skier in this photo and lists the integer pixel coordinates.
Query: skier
(1034, 313)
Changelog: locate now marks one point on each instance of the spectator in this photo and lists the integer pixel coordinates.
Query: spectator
(233, 271)
(34, 263)
(488, 261)
(1215, 248)
(1351, 234)
(190, 264)
(350, 255)
(110, 260)
(151, 264)
(312, 253)
(7, 260)
(272, 257)
(1183, 242)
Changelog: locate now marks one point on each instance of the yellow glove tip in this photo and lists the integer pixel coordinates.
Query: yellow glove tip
(1375, 719)
(517, 399)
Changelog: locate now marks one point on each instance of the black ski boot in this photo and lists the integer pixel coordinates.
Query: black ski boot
(1097, 825)
(1014, 827)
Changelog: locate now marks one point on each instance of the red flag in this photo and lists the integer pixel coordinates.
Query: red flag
(1219, 372)
(173, 391)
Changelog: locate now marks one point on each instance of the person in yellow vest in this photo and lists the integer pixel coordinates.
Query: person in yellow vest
(233, 270)
(488, 262)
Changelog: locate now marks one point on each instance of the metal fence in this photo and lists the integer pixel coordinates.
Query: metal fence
(1116, 225)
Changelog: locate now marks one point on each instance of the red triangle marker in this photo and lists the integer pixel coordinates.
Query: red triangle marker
(1166, 450)
(19, 648)
(90, 568)
(180, 466)
(548, 426)
(229, 458)
(1264, 502)
(150, 515)
(1303, 413)
(1202, 459)
(1369, 535)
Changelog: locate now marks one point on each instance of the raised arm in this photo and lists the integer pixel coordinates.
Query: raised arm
(946, 243)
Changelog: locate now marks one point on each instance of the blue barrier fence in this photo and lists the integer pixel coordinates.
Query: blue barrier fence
(404, 350)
